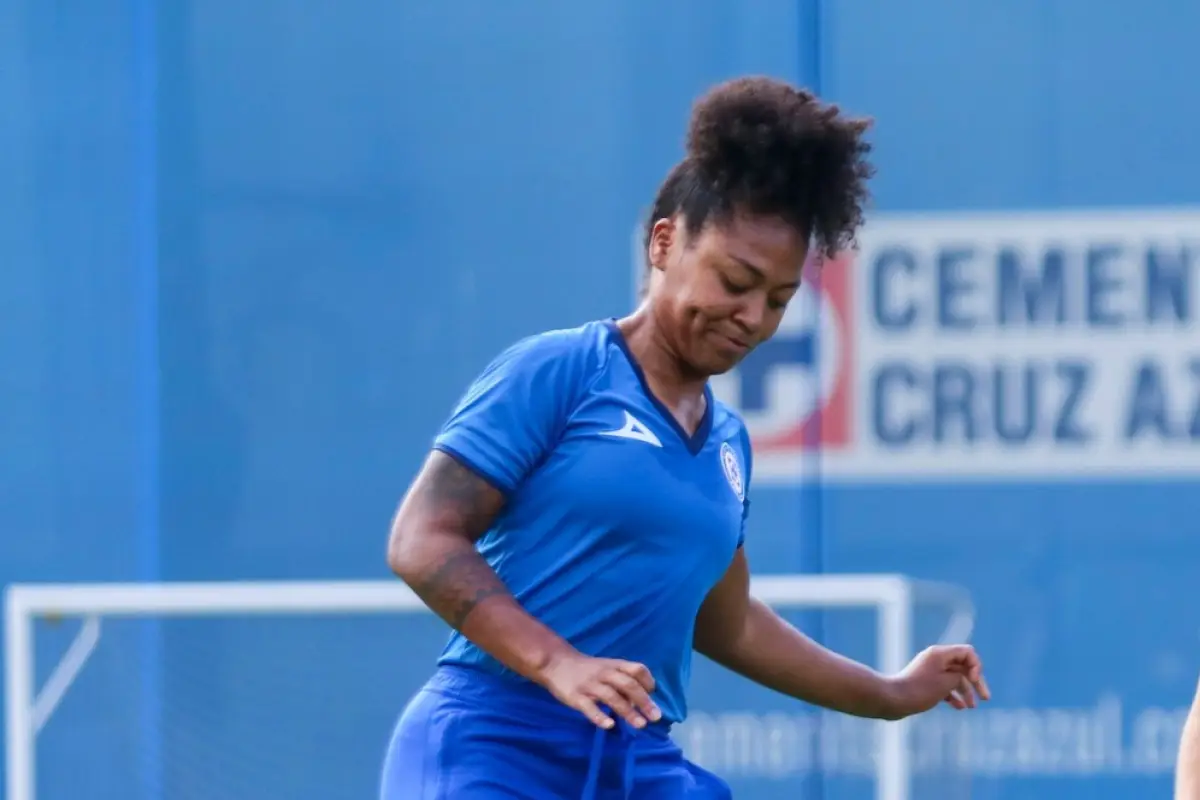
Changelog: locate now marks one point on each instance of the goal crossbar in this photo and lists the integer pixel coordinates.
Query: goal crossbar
(27, 708)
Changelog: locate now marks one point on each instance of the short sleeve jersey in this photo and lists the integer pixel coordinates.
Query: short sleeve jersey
(617, 521)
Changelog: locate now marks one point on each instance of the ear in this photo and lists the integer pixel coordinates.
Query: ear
(662, 239)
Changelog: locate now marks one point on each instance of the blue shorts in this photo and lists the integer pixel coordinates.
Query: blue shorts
(470, 735)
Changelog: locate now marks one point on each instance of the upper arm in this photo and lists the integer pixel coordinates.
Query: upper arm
(449, 497)
(723, 614)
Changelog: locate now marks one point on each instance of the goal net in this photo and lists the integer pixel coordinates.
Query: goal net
(231, 691)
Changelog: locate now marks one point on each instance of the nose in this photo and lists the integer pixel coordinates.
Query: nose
(751, 314)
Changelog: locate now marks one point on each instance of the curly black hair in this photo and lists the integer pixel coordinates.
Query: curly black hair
(761, 146)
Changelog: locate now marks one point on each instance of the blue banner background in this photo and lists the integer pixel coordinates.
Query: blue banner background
(321, 223)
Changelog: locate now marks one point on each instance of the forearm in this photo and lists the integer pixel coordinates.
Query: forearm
(454, 580)
(774, 654)
(1187, 770)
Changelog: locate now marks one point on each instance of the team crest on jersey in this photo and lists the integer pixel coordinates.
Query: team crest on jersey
(733, 471)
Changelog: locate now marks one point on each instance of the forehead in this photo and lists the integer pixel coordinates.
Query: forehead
(768, 243)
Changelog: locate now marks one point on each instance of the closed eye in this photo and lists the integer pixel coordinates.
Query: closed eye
(733, 288)
(779, 301)
(773, 302)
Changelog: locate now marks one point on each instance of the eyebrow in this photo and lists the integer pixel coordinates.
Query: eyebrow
(762, 276)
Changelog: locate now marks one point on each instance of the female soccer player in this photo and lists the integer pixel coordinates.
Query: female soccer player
(579, 522)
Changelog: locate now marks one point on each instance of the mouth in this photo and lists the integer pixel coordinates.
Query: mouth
(731, 342)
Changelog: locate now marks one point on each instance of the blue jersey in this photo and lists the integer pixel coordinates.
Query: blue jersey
(617, 522)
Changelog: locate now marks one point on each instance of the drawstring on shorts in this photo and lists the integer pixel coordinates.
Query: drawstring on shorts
(628, 735)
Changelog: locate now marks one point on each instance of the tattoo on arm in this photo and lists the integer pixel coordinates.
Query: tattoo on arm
(461, 582)
(450, 497)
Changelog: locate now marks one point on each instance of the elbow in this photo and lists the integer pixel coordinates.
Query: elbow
(396, 560)
(416, 547)
(401, 555)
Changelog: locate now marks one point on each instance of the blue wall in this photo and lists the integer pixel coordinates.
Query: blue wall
(320, 224)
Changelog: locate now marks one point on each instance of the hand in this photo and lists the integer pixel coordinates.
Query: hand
(943, 673)
(583, 683)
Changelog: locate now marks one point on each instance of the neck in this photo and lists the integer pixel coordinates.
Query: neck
(669, 375)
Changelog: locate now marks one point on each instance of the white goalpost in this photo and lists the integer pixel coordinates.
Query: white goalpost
(28, 706)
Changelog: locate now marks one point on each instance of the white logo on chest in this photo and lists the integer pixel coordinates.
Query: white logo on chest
(733, 471)
(635, 430)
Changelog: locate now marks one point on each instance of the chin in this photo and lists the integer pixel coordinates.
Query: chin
(718, 363)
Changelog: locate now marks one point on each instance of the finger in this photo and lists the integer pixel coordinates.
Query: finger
(972, 668)
(967, 692)
(634, 692)
(960, 656)
(954, 700)
(616, 701)
(589, 709)
(963, 660)
(639, 672)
